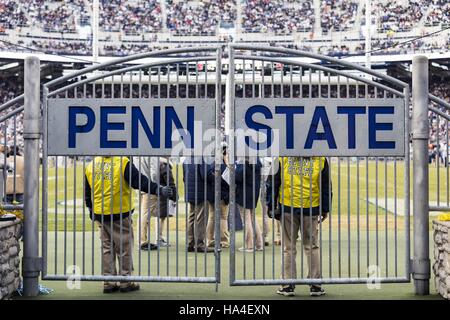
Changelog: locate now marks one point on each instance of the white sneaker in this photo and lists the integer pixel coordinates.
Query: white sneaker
(242, 249)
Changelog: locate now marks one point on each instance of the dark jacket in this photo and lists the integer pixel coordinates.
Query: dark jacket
(165, 179)
(273, 184)
(248, 184)
(207, 173)
(194, 185)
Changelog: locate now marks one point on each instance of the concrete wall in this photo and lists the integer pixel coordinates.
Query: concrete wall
(10, 232)
(441, 266)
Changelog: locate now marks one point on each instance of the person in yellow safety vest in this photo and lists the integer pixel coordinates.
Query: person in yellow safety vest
(108, 195)
(302, 192)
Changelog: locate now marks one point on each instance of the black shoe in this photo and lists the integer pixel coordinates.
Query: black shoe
(149, 246)
(200, 249)
(316, 291)
(130, 287)
(111, 289)
(266, 243)
(287, 291)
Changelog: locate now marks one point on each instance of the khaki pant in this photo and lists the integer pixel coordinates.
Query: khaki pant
(149, 206)
(197, 225)
(117, 243)
(224, 235)
(251, 229)
(310, 243)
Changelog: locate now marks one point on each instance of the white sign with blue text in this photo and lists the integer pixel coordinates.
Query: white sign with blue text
(130, 126)
(320, 127)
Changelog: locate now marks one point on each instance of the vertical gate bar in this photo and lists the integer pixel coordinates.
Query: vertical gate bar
(65, 215)
(92, 218)
(283, 159)
(218, 165)
(339, 216)
(348, 218)
(420, 135)
(140, 216)
(32, 133)
(83, 242)
(244, 220)
(330, 222)
(320, 211)
(367, 213)
(15, 155)
(130, 199)
(166, 219)
(158, 208)
(44, 185)
(376, 212)
(437, 160)
(254, 222)
(406, 190)
(206, 202)
(74, 212)
(147, 206)
(187, 207)
(291, 196)
(176, 214)
(311, 160)
(358, 235)
(386, 212)
(301, 212)
(272, 175)
(446, 161)
(56, 216)
(121, 245)
(231, 71)
(395, 217)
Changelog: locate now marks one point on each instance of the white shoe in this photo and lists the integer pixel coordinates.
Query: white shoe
(242, 249)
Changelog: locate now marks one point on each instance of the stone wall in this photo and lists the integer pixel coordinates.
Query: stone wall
(10, 232)
(441, 267)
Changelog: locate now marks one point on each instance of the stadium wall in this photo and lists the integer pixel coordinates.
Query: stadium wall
(9, 257)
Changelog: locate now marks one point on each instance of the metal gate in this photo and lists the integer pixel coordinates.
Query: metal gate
(366, 236)
(71, 246)
(365, 239)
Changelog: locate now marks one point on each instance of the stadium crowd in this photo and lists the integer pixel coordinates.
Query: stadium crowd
(338, 15)
(278, 16)
(131, 17)
(199, 18)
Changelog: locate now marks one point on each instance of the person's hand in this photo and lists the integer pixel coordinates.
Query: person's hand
(323, 217)
(167, 192)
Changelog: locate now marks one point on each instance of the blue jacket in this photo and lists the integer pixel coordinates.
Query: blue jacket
(194, 185)
(247, 192)
(207, 173)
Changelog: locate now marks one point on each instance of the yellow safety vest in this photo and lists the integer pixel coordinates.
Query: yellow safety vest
(105, 183)
(296, 190)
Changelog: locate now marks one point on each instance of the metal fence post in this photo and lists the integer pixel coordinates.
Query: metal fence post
(31, 261)
(420, 135)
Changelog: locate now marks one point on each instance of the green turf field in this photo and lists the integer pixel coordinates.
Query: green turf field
(360, 232)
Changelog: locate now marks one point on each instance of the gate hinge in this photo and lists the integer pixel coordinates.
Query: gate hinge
(31, 266)
(420, 269)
